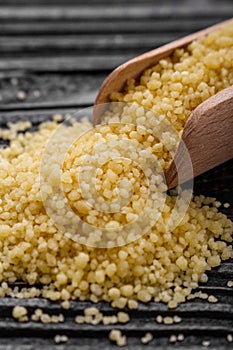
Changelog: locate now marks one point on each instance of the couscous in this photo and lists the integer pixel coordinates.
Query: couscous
(165, 262)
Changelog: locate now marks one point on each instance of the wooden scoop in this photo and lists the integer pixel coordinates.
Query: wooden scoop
(208, 134)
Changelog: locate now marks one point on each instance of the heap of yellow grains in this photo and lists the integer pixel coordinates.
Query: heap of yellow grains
(162, 265)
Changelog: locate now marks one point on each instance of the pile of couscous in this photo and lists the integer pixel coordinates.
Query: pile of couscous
(164, 262)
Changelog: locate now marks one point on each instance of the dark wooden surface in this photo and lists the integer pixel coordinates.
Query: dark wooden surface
(58, 53)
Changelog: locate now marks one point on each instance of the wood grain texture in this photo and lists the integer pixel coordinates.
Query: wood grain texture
(114, 11)
(65, 63)
(78, 43)
(48, 90)
(95, 26)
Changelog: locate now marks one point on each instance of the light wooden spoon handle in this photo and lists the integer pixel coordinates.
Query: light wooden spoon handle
(208, 137)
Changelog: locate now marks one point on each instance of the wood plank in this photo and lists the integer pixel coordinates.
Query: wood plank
(35, 116)
(49, 90)
(207, 326)
(191, 310)
(108, 26)
(65, 63)
(114, 11)
(106, 345)
(83, 2)
(205, 3)
(74, 44)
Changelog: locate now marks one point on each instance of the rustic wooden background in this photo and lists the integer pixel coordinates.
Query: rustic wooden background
(53, 57)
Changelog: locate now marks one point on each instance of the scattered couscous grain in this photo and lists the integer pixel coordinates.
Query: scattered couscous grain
(199, 295)
(19, 312)
(65, 305)
(45, 318)
(177, 319)
(123, 317)
(159, 319)
(116, 336)
(226, 205)
(91, 311)
(79, 319)
(39, 312)
(132, 304)
(229, 338)
(21, 95)
(173, 338)
(168, 320)
(212, 299)
(203, 278)
(147, 338)
(180, 337)
(60, 339)
(98, 318)
(206, 343)
(230, 284)
(110, 320)
(39, 316)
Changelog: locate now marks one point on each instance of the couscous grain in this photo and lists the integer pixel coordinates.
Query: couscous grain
(19, 312)
(147, 338)
(116, 336)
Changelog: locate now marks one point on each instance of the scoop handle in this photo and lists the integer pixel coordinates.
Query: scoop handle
(208, 137)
